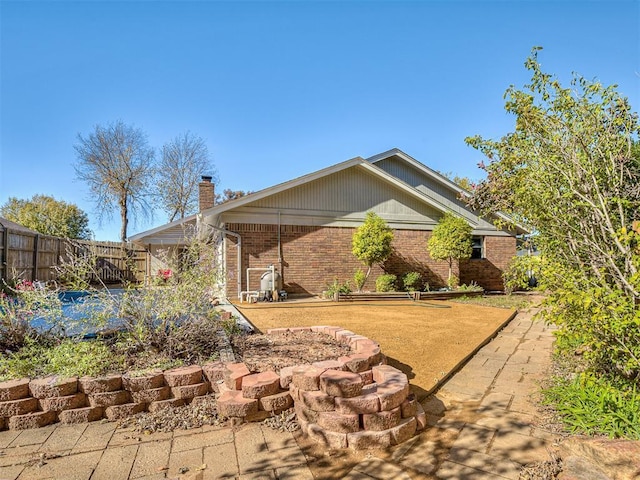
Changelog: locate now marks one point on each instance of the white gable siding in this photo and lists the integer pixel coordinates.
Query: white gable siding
(427, 185)
(174, 235)
(339, 199)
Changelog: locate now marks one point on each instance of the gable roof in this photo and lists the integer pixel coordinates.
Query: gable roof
(430, 198)
(438, 178)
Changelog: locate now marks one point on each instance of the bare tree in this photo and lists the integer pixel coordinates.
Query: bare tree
(228, 195)
(184, 160)
(117, 164)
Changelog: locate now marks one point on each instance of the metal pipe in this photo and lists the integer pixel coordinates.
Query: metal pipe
(280, 260)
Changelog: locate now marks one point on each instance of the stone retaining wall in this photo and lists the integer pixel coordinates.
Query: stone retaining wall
(356, 401)
(35, 403)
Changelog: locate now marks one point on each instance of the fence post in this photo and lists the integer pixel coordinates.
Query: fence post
(5, 254)
(36, 259)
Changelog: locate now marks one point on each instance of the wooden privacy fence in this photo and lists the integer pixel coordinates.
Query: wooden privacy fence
(31, 256)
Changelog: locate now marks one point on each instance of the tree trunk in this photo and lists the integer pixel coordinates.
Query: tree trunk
(124, 220)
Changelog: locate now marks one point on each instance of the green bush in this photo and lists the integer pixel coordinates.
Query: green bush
(472, 287)
(359, 279)
(411, 281)
(520, 272)
(337, 287)
(386, 283)
(595, 406)
(69, 358)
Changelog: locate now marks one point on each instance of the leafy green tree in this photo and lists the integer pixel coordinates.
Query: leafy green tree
(570, 171)
(464, 182)
(48, 216)
(118, 166)
(371, 242)
(450, 240)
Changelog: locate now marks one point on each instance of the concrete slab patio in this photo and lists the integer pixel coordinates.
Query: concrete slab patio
(481, 427)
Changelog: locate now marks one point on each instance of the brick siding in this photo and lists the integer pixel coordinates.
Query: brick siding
(312, 257)
(487, 272)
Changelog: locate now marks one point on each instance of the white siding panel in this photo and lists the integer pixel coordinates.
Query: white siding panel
(410, 175)
(425, 184)
(171, 236)
(347, 191)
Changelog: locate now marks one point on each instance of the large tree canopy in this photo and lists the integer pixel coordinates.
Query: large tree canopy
(117, 164)
(568, 171)
(48, 216)
(184, 160)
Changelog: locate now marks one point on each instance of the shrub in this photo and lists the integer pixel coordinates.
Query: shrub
(371, 242)
(450, 240)
(596, 406)
(522, 273)
(359, 279)
(452, 282)
(411, 281)
(337, 287)
(20, 307)
(472, 287)
(68, 358)
(386, 283)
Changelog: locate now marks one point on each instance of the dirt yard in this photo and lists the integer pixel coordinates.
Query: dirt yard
(426, 339)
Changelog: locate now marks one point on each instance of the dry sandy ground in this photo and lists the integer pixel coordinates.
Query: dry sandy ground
(424, 339)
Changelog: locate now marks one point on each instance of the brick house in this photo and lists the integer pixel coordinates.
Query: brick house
(304, 227)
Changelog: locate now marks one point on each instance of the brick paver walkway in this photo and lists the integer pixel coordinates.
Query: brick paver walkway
(481, 428)
(482, 418)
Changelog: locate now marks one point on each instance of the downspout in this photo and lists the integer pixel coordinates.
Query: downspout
(280, 260)
(237, 235)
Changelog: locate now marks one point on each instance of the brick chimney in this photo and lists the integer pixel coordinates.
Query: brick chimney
(206, 193)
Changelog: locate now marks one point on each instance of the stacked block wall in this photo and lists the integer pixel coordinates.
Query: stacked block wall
(356, 401)
(35, 403)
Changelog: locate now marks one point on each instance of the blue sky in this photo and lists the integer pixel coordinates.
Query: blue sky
(281, 89)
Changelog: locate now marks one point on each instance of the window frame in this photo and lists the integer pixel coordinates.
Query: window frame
(481, 247)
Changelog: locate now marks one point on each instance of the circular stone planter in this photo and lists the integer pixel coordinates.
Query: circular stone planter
(356, 401)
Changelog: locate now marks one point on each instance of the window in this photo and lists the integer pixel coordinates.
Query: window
(477, 247)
